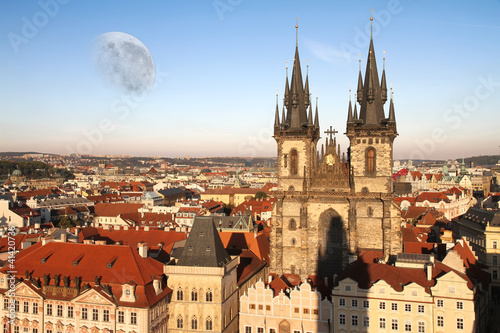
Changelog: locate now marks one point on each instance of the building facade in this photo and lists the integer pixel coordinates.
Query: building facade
(329, 206)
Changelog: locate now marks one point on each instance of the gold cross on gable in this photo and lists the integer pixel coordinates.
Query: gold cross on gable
(331, 131)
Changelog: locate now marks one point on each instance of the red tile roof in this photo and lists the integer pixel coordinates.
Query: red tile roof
(115, 209)
(91, 261)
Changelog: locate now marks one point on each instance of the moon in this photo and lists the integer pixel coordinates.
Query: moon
(124, 61)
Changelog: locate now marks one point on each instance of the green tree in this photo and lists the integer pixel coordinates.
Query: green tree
(66, 222)
(260, 195)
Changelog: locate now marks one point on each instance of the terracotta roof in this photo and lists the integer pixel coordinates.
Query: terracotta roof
(115, 209)
(434, 197)
(249, 265)
(91, 261)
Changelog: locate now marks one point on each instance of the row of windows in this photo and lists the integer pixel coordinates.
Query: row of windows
(248, 329)
(194, 295)
(395, 323)
(194, 323)
(49, 311)
(394, 306)
(295, 310)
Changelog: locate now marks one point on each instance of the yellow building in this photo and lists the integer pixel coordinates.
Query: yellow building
(203, 278)
(70, 287)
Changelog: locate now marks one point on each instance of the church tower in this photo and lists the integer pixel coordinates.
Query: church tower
(331, 207)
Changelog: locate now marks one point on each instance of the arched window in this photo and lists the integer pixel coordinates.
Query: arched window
(180, 322)
(180, 295)
(293, 241)
(294, 162)
(293, 224)
(370, 211)
(194, 323)
(370, 160)
(208, 296)
(194, 295)
(209, 324)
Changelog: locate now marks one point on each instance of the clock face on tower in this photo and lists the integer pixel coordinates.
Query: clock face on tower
(330, 160)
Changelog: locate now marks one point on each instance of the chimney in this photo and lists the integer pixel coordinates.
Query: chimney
(64, 237)
(146, 228)
(37, 225)
(44, 241)
(429, 272)
(269, 279)
(143, 249)
(137, 228)
(125, 228)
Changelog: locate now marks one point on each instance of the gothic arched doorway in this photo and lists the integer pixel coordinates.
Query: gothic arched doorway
(331, 243)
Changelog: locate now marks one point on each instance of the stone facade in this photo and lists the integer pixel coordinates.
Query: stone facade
(329, 208)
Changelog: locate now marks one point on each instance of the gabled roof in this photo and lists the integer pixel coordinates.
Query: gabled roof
(203, 247)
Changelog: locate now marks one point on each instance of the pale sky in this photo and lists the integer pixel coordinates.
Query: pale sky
(218, 66)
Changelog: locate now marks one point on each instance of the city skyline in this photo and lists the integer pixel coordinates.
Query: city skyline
(219, 64)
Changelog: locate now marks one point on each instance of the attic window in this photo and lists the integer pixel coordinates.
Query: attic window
(190, 248)
(208, 248)
(201, 234)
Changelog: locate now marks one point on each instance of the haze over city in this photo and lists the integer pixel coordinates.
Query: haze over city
(219, 64)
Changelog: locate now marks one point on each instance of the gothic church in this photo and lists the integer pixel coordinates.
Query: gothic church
(331, 207)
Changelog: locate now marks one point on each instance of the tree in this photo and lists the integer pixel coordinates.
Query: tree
(260, 195)
(66, 222)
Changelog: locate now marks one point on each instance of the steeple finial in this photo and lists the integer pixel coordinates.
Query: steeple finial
(296, 32)
(371, 23)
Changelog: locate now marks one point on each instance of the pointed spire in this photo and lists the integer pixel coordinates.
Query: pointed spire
(322, 151)
(370, 100)
(277, 115)
(287, 89)
(316, 118)
(392, 114)
(349, 109)
(306, 87)
(383, 84)
(360, 83)
(295, 99)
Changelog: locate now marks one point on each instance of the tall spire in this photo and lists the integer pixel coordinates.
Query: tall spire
(371, 102)
(277, 115)
(316, 118)
(306, 87)
(295, 99)
(360, 83)
(349, 109)
(283, 116)
(287, 89)
(383, 84)
(310, 117)
(392, 114)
